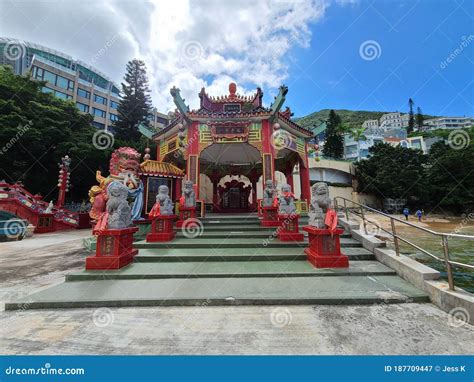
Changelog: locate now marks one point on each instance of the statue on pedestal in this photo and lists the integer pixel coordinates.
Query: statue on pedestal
(188, 198)
(118, 209)
(287, 201)
(319, 205)
(268, 194)
(163, 204)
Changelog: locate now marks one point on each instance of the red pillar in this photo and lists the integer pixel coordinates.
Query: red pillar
(177, 188)
(192, 164)
(304, 178)
(268, 154)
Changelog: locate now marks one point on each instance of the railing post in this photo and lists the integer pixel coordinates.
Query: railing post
(345, 210)
(395, 238)
(363, 218)
(449, 270)
(335, 205)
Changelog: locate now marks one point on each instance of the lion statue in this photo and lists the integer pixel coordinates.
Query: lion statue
(286, 201)
(268, 194)
(188, 199)
(163, 204)
(319, 205)
(117, 206)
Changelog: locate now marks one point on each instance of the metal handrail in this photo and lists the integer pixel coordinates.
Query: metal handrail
(359, 211)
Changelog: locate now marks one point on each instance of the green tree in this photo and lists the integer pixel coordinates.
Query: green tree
(135, 103)
(334, 143)
(358, 135)
(411, 118)
(450, 178)
(393, 172)
(37, 129)
(420, 120)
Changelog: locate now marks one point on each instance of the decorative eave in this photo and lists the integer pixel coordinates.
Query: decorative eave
(163, 169)
(294, 126)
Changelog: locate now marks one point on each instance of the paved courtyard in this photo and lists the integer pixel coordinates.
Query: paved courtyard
(42, 261)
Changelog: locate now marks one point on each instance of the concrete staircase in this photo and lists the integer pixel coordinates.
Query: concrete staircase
(233, 262)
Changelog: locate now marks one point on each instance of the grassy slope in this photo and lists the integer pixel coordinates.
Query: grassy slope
(352, 118)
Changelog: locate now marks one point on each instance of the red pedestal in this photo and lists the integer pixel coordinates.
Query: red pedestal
(324, 250)
(162, 229)
(270, 217)
(289, 228)
(45, 223)
(185, 213)
(114, 249)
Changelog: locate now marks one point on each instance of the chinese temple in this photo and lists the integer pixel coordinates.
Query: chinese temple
(238, 136)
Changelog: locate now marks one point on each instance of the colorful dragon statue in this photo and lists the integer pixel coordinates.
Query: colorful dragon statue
(123, 168)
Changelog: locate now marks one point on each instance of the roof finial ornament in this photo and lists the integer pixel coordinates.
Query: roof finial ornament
(232, 89)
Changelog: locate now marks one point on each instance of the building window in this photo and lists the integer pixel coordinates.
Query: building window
(62, 82)
(62, 95)
(82, 107)
(99, 99)
(98, 112)
(98, 125)
(47, 90)
(50, 77)
(83, 93)
(113, 117)
(114, 105)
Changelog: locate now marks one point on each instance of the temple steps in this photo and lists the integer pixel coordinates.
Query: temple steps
(236, 233)
(215, 244)
(336, 290)
(231, 269)
(229, 264)
(237, 254)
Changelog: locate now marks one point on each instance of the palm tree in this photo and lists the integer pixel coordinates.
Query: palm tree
(358, 134)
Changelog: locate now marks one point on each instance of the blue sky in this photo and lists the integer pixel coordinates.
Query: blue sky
(415, 39)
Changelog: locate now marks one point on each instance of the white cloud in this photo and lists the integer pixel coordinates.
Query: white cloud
(186, 43)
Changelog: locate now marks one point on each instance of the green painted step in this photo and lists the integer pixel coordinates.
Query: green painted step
(234, 243)
(262, 234)
(237, 254)
(224, 291)
(233, 228)
(231, 269)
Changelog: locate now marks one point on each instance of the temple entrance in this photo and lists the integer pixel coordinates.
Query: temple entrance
(234, 170)
(234, 196)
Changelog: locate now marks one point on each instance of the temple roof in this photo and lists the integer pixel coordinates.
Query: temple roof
(156, 168)
(233, 106)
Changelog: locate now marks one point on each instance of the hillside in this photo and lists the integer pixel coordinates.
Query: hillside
(352, 118)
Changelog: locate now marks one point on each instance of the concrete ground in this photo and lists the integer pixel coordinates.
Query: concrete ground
(42, 261)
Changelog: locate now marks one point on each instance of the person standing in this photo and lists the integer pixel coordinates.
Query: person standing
(419, 213)
(406, 212)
